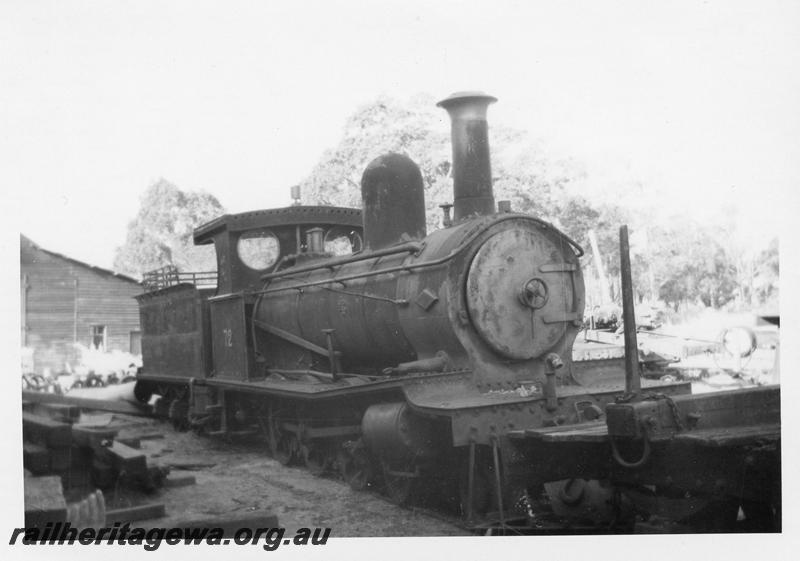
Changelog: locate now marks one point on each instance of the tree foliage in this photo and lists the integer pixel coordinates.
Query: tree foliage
(522, 172)
(690, 264)
(679, 261)
(766, 274)
(383, 126)
(161, 233)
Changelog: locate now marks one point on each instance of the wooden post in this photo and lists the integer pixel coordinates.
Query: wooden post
(632, 381)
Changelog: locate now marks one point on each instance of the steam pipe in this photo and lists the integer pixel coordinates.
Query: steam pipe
(409, 248)
(472, 171)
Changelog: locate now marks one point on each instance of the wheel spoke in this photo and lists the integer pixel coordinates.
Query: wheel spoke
(399, 488)
(355, 468)
(315, 458)
(285, 452)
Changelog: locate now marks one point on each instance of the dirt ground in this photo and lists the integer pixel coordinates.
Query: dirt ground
(244, 479)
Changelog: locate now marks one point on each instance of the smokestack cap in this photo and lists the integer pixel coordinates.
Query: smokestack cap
(471, 170)
(459, 97)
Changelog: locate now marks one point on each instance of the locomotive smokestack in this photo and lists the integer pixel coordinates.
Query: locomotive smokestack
(472, 170)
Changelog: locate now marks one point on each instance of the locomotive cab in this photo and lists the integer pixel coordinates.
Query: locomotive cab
(197, 324)
(251, 244)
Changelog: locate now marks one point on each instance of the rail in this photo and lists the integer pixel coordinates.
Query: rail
(170, 276)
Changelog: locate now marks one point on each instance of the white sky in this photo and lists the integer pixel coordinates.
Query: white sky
(99, 99)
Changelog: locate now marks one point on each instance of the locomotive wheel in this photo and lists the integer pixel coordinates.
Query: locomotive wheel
(198, 424)
(355, 468)
(161, 407)
(315, 458)
(399, 489)
(179, 415)
(286, 451)
(400, 486)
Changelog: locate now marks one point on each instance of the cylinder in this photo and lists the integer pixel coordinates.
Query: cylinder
(393, 431)
(393, 197)
(472, 171)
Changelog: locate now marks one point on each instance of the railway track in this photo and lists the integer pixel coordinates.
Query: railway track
(439, 501)
(527, 517)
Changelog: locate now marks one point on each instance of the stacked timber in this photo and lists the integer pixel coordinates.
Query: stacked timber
(54, 444)
(45, 504)
(44, 501)
(66, 452)
(47, 444)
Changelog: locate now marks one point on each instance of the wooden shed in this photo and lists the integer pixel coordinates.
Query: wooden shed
(65, 301)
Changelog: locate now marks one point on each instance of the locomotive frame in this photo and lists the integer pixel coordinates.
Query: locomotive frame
(442, 361)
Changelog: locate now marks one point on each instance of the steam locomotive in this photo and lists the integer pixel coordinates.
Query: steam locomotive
(418, 363)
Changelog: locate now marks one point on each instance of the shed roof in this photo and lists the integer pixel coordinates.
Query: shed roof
(27, 244)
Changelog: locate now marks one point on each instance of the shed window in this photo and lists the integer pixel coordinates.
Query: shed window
(99, 337)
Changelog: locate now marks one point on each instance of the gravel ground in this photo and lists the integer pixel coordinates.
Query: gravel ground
(245, 479)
